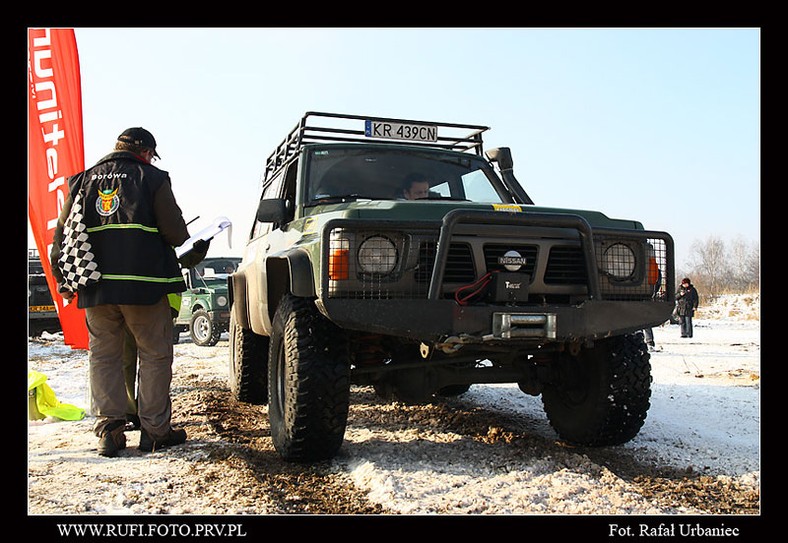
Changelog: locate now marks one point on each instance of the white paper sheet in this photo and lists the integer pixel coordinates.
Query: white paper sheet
(219, 225)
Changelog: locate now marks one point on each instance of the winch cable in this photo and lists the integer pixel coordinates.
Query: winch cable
(477, 288)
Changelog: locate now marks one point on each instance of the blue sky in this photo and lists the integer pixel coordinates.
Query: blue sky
(658, 125)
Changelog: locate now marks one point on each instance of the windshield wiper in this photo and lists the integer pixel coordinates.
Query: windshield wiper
(340, 198)
(443, 197)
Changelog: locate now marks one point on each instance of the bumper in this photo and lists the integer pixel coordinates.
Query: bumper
(438, 319)
(43, 313)
(220, 316)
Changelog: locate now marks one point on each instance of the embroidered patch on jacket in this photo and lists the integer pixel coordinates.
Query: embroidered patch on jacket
(108, 202)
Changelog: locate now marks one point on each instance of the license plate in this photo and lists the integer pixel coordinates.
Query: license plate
(400, 131)
(38, 308)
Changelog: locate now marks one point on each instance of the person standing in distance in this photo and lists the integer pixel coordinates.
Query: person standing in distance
(134, 224)
(687, 303)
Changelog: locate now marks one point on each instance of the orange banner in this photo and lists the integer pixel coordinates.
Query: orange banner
(55, 150)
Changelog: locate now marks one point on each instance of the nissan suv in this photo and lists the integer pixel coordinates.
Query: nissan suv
(345, 281)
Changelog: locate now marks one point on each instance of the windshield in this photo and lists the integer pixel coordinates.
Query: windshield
(213, 271)
(356, 172)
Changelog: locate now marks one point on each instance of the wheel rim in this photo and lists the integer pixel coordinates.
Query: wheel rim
(201, 328)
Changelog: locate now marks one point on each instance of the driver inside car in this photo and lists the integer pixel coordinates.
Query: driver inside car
(415, 187)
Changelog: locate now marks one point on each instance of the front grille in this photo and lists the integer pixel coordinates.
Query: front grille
(566, 266)
(459, 264)
(39, 291)
(555, 268)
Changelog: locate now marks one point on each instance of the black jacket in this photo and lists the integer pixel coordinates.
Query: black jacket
(687, 301)
(134, 224)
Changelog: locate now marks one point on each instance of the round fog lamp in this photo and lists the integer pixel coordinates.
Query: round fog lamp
(619, 261)
(377, 255)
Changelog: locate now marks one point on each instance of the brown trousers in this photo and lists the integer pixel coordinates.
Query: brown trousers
(151, 326)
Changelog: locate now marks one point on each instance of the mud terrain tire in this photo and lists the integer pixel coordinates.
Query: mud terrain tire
(309, 377)
(602, 395)
(248, 364)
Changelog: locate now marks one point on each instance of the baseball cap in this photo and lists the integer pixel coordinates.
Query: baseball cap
(139, 136)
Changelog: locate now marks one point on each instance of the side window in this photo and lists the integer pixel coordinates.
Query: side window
(478, 188)
(289, 192)
(272, 190)
(442, 189)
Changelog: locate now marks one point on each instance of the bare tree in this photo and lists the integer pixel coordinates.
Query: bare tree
(717, 268)
(745, 266)
(709, 265)
(753, 267)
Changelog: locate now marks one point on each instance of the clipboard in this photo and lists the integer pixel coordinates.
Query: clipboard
(219, 225)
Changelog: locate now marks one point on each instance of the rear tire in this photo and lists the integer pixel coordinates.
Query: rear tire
(248, 364)
(601, 396)
(309, 376)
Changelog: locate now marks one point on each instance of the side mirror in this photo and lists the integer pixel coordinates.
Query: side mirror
(272, 210)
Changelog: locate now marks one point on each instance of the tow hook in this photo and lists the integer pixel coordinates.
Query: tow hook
(450, 345)
(425, 350)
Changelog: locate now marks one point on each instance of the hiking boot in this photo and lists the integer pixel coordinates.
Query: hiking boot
(112, 439)
(174, 437)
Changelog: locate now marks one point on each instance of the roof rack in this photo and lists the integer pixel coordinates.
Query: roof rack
(346, 128)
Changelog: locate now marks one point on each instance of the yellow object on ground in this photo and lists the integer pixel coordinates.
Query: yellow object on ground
(43, 402)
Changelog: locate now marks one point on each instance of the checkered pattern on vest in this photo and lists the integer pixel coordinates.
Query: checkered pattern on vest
(77, 262)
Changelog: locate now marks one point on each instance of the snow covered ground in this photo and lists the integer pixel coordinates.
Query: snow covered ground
(705, 417)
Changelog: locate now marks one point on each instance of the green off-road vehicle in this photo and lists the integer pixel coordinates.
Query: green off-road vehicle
(346, 282)
(205, 306)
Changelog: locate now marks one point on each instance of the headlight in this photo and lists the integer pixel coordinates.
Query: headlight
(377, 255)
(619, 261)
(221, 301)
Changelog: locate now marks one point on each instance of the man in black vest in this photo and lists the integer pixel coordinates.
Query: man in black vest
(133, 223)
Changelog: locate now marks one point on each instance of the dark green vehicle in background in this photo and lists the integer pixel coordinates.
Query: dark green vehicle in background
(41, 311)
(345, 282)
(205, 308)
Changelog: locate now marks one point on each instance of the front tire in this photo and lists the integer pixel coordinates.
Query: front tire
(601, 396)
(248, 364)
(450, 391)
(309, 377)
(202, 329)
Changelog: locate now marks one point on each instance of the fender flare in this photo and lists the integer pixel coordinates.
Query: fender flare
(236, 290)
(289, 272)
